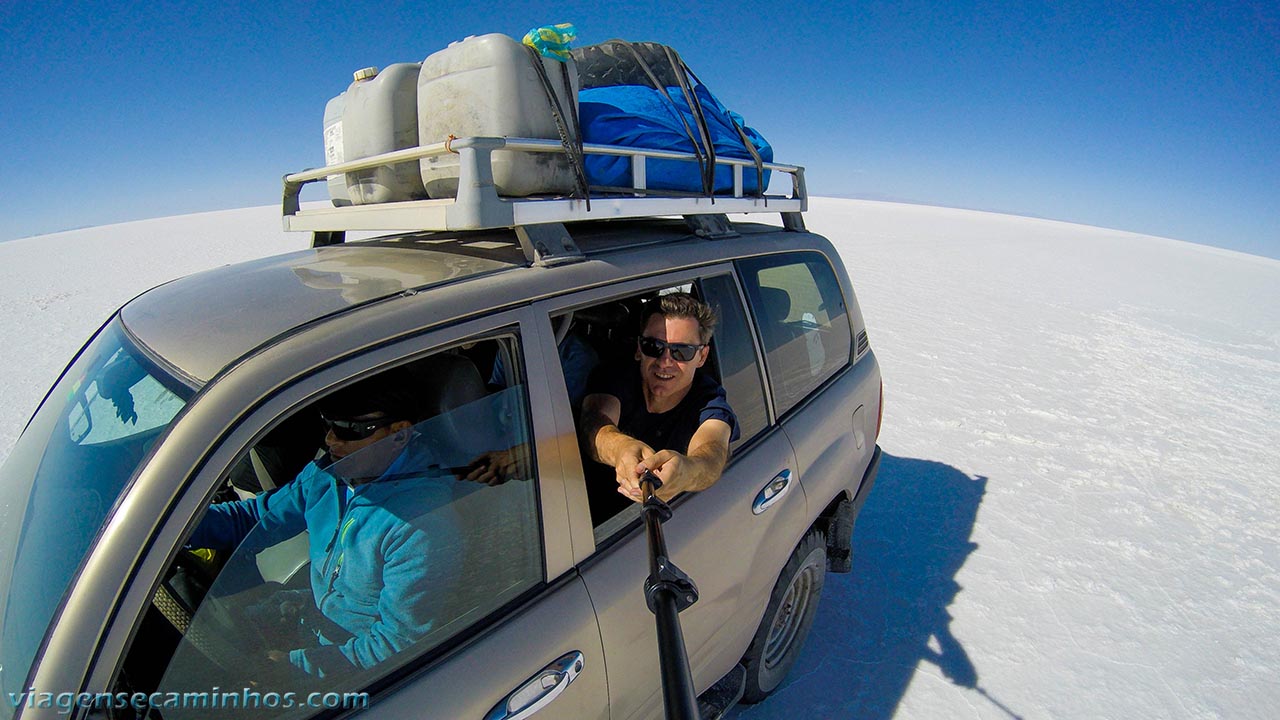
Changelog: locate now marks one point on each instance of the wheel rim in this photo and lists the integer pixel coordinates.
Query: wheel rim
(790, 616)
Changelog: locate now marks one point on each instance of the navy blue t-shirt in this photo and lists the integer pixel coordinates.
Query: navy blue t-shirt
(671, 430)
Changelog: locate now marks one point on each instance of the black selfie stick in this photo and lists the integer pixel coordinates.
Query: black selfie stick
(668, 591)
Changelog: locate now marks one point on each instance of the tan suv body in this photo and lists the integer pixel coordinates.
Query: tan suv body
(541, 607)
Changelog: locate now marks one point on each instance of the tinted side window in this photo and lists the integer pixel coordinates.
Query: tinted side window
(397, 536)
(801, 316)
(736, 357)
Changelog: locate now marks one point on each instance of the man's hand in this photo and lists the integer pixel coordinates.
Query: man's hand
(629, 466)
(495, 467)
(670, 467)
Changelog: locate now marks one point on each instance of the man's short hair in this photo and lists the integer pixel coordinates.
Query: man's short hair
(681, 305)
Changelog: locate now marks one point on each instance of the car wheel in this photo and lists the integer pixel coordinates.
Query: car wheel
(792, 607)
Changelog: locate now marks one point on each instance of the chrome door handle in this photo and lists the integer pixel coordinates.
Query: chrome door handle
(538, 691)
(772, 492)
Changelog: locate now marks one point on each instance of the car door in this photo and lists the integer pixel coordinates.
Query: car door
(721, 537)
(825, 401)
(504, 625)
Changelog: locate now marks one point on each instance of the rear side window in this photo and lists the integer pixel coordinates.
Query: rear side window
(803, 324)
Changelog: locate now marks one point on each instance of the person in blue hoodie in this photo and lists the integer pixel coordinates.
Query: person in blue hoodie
(377, 511)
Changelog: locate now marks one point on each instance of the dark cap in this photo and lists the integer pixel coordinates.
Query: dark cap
(388, 393)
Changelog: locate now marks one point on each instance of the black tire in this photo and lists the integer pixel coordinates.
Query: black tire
(792, 607)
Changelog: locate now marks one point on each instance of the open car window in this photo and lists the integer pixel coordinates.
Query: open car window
(365, 561)
(599, 341)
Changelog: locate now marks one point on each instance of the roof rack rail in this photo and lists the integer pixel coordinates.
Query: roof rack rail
(479, 207)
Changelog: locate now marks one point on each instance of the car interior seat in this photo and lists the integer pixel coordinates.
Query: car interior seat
(789, 359)
(775, 308)
(443, 383)
(609, 328)
(495, 545)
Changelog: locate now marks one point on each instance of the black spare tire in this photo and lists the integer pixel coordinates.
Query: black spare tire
(788, 618)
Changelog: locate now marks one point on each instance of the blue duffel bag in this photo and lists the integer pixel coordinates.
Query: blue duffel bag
(642, 117)
(636, 94)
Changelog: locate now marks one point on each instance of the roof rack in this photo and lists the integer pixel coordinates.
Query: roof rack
(479, 207)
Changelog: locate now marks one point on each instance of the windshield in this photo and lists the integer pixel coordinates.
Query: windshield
(64, 476)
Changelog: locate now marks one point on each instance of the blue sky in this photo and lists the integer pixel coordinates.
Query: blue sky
(1161, 118)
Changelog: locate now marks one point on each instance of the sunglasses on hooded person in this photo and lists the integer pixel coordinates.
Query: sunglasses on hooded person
(680, 352)
(354, 430)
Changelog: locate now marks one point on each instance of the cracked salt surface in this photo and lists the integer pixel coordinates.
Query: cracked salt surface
(1077, 510)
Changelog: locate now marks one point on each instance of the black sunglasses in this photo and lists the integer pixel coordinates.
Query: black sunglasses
(351, 430)
(681, 352)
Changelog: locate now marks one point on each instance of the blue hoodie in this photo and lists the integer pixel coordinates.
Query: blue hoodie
(381, 561)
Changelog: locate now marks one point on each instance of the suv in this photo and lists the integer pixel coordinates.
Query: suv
(211, 387)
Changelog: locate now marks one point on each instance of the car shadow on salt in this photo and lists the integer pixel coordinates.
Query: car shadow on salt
(887, 619)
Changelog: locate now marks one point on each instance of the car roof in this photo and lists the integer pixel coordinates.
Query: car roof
(200, 324)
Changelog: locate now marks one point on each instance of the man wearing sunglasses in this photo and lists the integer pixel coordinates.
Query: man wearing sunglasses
(374, 508)
(664, 415)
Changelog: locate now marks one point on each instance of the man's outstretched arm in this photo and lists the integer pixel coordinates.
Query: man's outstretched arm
(697, 470)
(605, 443)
